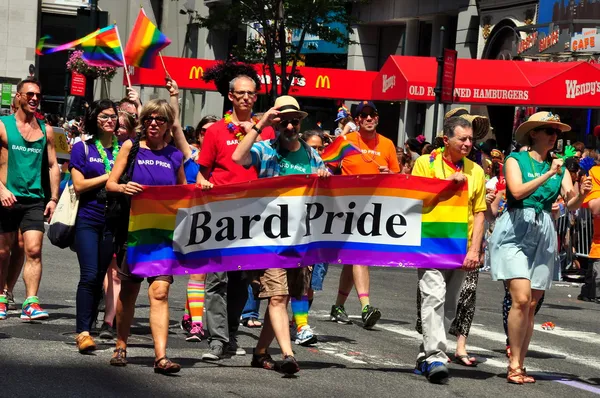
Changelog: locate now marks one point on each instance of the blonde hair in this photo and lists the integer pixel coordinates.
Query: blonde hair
(127, 121)
(159, 106)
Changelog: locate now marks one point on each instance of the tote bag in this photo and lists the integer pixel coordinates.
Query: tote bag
(62, 226)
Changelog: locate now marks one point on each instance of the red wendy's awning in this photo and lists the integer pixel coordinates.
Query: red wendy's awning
(492, 82)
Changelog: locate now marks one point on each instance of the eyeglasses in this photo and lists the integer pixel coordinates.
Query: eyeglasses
(104, 117)
(293, 122)
(242, 94)
(31, 94)
(551, 131)
(160, 120)
(365, 115)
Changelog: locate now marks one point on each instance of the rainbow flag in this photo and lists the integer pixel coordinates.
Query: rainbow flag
(382, 220)
(145, 42)
(339, 149)
(100, 48)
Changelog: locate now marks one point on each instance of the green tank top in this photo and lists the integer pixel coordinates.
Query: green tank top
(24, 173)
(546, 194)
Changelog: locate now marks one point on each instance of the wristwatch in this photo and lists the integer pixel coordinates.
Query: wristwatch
(256, 129)
(54, 200)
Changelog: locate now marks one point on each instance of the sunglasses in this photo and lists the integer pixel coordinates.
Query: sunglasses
(551, 131)
(104, 117)
(160, 120)
(31, 94)
(242, 94)
(293, 122)
(365, 115)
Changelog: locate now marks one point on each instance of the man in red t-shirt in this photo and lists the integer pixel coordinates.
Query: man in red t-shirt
(227, 292)
(378, 156)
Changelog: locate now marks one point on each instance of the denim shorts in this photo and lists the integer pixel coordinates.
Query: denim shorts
(318, 276)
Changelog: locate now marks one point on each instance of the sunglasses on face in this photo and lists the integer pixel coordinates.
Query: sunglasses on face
(104, 117)
(551, 131)
(293, 122)
(242, 94)
(31, 94)
(365, 115)
(158, 119)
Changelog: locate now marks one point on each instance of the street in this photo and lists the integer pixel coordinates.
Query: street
(40, 359)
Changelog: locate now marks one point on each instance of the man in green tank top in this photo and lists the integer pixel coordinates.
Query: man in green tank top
(23, 140)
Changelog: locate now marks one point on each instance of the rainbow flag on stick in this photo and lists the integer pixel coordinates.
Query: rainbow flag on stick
(145, 42)
(294, 221)
(339, 149)
(100, 48)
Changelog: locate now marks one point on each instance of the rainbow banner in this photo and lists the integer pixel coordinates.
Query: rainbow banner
(295, 221)
(145, 42)
(101, 48)
(339, 149)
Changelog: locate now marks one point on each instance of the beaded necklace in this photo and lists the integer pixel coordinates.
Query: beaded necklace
(440, 151)
(234, 128)
(102, 152)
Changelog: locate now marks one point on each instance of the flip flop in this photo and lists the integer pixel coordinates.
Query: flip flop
(255, 323)
(464, 359)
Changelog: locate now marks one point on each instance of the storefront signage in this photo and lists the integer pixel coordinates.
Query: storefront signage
(464, 95)
(78, 82)
(388, 82)
(536, 43)
(6, 94)
(586, 41)
(549, 41)
(448, 75)
(527, 43)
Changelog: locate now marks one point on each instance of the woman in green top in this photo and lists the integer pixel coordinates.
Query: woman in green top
(524, 243)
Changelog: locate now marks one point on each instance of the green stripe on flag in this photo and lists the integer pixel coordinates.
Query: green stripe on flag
(149, 237)
(444, 230)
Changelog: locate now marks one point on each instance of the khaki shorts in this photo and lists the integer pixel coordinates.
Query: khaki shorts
(272, 282)
(126, 276)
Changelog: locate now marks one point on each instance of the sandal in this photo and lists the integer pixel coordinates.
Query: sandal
(465, 360)
(508, 351)
(252, 323)
(120, 357)
(165, 366)
(527, 378)
(515, 375)
(263, 361)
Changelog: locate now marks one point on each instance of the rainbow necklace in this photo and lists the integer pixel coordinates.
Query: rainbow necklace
(102, 152)
(234, 128)
(440, 151)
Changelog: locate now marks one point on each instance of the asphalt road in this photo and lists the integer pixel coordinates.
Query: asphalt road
(40, 359)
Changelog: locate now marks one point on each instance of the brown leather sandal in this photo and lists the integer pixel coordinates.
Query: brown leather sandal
(120, 357)
(526, 377)
(263, 361)
(165, 366)
(515, 375)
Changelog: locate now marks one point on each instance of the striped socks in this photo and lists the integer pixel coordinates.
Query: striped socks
(364, 299)
(195, 301)
(300, 311)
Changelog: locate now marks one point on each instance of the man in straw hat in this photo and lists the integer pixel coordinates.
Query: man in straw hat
(286, 155)
(440, 288)
(378, 156)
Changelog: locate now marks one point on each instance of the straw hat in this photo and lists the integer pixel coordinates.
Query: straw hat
(546, 119)
(481, 124)
(288, 106)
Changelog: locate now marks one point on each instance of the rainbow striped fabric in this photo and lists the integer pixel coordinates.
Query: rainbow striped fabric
(100, 48)
(145, 42)
(339, 149)
(284, 222)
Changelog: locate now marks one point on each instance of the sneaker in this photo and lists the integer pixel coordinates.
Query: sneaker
(32, 311)
(338, 314)
(370, 316)
(233, 347)
(289, 366)
(106, 332)
(436, 372)
(3, 307)
(186, 323)
(11, 301)
(306, 336)
(214, 354)
(196, 332)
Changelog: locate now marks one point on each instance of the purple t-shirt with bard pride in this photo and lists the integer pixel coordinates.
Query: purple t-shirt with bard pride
(157, 167)
(90, 167)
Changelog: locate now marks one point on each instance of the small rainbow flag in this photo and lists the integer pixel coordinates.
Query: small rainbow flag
(339, 149)
(145, 42)
(100, 48)
(388, 221)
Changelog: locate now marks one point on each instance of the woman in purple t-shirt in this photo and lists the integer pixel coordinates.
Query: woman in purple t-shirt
(156, 163)
(91, 162)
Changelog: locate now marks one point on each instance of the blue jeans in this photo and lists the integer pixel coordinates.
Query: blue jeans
(94, 247)
(252, 307)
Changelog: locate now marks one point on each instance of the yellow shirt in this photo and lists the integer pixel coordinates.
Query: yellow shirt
(595, 194)
(475, 179)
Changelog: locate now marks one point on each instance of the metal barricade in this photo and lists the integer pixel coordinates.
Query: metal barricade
(584, 231)
(575, 232)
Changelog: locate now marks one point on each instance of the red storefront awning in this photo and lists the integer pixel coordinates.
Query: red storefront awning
(492, 82)
(312, 82)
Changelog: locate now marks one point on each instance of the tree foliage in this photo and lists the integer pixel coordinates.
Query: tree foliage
(273, 21)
